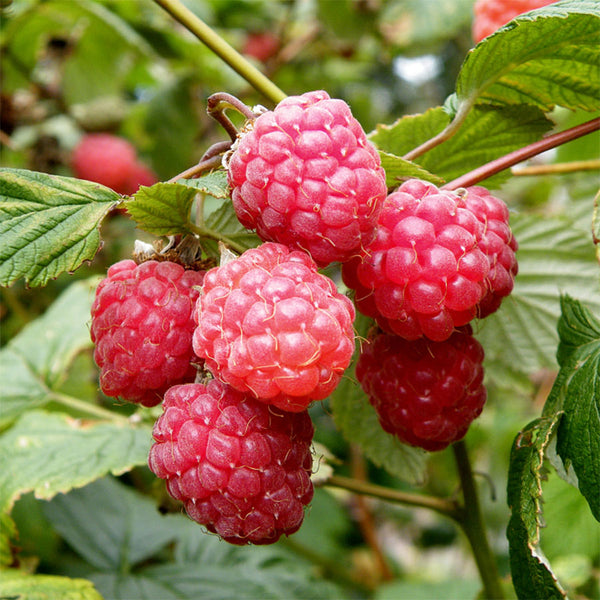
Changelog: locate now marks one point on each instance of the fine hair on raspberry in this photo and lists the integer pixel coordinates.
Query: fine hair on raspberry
(270, 324)
(241, 468)
(306, 176)
(142, 328)
(425, 393)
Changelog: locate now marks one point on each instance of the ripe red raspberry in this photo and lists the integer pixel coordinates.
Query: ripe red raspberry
(425, 393)
(424, 274)
(261, 45)
(490, 15)
(242, 468)
(306, 176)
(497, 243)
(271, 325)
(142, 326)
(106, 159)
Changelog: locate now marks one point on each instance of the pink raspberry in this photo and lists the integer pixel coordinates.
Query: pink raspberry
(139, 175)
(271, 325)
(142, 326)
(425, 393)
(106, 159)
(306, 176)
(241, 468)
(424, 274)
(497, 243)
(490, 15)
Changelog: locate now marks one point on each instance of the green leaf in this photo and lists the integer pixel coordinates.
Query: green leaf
(576, 392)
(8, 530)
(214, 184)
(35, 362)
(426, 590)
(48, 224)
(50, 453)
(398, 170)
(358, 422)
(224, 222)
(110, 525)
(531, 575)
(546, 57)
(18, 585)
(554, 258)
(486, 134)
(163, 209)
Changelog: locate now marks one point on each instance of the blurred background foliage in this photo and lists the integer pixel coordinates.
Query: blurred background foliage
(71, 67)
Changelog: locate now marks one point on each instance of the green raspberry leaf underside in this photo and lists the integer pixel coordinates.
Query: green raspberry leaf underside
(398, 170)
(358, 422)
(15, 584)
(35, 362)
(548, 57)
(163, 209)
(531, 575)
(50, 453)
(555, 257)
(48, 224)
(576, 392)
(214, 184)
(487, 133)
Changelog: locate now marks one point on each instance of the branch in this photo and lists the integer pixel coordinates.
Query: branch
(557, 168)
(513, 158)
(222, 49)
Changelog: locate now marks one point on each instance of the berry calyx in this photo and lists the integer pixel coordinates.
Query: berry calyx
(271, 325)
(306, 176)
(426, 393)
(241, 468)
(142, 329)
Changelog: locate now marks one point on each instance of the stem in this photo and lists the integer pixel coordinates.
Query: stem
(208, 164)
(440, 505)
(443, 135)
(91, 409)
(222, 49)
(557, 168)
(471, 521)
(513, 158)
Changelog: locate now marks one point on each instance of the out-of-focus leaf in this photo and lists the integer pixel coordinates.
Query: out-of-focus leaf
(48, 224)
(50, 453)
(358, 422)
(15, 584)
(554, 258)
(576, 392)
(163, 209)
(547, 57)
(35, 362)
(426, 590)
(414, 22)
(486, 134)
(531, 574)
(596, 225)
(110, 525)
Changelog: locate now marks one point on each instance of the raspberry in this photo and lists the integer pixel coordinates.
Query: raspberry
(106, 159)
(306, 176)
(142, 326)
(261, 45)
(271, 325)
(424, 274)
(425, 393)
(241, 468)
(497, 243)
(490, 15)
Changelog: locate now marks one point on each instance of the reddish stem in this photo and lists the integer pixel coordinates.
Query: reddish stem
(509, 160)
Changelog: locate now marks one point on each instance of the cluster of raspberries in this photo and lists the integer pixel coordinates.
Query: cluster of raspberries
(276, 335)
